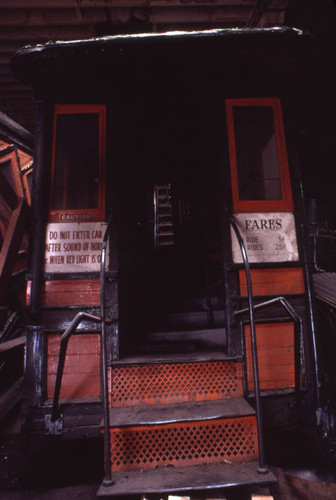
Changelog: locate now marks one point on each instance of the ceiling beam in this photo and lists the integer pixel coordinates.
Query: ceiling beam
(80, 4)
(62, 17)
(45, 33)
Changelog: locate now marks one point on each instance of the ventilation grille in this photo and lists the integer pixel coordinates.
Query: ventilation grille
(173, 383)
(184, 444)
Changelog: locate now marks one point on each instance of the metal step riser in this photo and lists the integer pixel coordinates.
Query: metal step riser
(166, 383)
(229, 440)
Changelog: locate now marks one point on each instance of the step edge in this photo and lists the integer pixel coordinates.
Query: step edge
(169, 359)
(189, 412)
(189, 483)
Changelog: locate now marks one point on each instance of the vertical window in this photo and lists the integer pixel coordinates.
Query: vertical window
(78, 154)
(258, 158)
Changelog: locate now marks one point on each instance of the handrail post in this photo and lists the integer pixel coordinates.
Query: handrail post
(108, 473)
(262, 469)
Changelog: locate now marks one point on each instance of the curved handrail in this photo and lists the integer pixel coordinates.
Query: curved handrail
(262, 468)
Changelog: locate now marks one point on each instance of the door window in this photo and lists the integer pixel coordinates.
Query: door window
(78, 154)
(258, 158)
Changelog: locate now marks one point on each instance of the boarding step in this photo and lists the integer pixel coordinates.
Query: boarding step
(171, 348)
(183, 434)
(165, 380)
(184, 479)
(179, 424)
(199, 303)
(212, 337)
(194, 319)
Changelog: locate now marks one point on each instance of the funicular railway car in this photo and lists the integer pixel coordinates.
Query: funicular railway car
(168, 231)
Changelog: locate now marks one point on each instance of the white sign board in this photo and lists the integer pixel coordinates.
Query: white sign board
(268, 237)
(73, 247)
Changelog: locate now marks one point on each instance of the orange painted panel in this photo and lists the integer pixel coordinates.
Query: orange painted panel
(279, 281)
(59, 293)
(81, 376)
(275, 347)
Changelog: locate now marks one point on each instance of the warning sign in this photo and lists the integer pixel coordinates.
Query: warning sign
(73, 247)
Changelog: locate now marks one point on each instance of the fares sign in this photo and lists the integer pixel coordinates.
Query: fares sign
(73, 247)
(268, 237)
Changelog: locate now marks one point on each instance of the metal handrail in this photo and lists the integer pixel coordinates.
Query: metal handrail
(55, 415)
(108, 474)
(262, 469)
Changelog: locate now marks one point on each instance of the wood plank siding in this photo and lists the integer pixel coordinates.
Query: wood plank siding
(81, 378)
(60, 293)
(275, 346)
(278, 281)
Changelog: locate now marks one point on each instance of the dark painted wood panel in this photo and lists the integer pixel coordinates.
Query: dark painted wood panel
(59, 293)
(279, 281)
(81, 378)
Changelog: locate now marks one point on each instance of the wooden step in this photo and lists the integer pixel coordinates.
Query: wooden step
(194, 357)
(215, 337)
(184, 304)
(130, 416)
(178, 479)
(169, 347)
(193, 319)
(202, 378)
(186, 434)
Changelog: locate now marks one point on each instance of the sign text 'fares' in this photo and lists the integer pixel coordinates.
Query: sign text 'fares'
(268, 237)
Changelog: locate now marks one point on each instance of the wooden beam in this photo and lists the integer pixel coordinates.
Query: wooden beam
(51, 17)
(14, 132)
(7, 192)
(73, 4)
(164, 14)
(11, 397)
(43, 34)
(11, 344)
(11, 245)
(9, 48)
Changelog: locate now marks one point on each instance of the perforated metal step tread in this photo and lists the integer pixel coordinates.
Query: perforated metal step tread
(173, 479)
(179, 412)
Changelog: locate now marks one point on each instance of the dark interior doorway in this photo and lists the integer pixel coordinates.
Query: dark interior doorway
(175, 140)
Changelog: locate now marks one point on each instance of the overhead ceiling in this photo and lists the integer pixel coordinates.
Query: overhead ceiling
(31, 22)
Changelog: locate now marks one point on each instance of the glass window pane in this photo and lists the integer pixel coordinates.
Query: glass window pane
(256, 149)
(76, 173)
